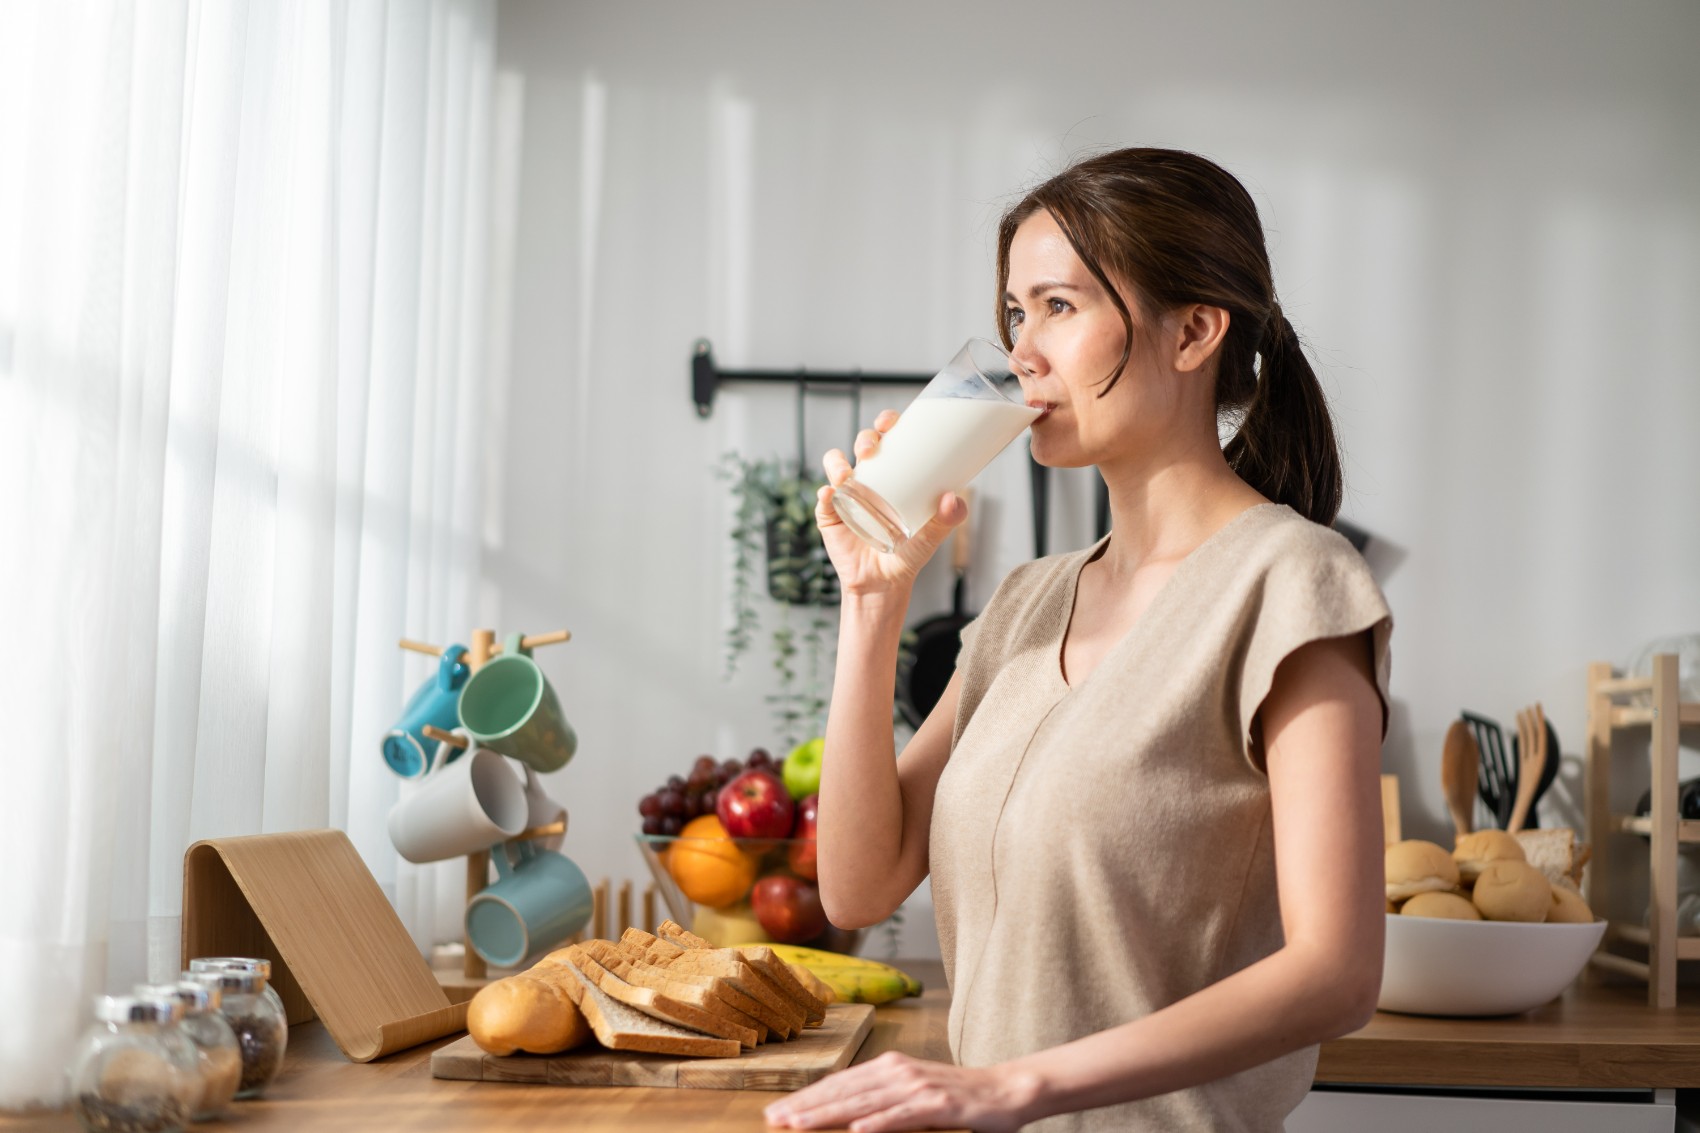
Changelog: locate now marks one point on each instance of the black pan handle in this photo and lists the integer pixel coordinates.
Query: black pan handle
(1040, 477)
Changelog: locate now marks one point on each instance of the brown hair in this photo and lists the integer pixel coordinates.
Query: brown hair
(1177, 229)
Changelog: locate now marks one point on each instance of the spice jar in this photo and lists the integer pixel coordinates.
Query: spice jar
(261, 1029)
(248, 964)
(134, 1071)
(217, 1055)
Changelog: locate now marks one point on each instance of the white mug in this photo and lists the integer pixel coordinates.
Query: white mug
(460, 808)
(541, 810)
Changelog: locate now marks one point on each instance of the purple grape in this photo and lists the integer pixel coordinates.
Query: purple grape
(671, 825)
(653, 824)
(705, 764)
(730, 770)
(677, 782)
(650, 806)
(710, 798)
(672, 803)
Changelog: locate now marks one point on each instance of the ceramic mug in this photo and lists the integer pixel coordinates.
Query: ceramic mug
(509, 706)
(460, 808)
(539, 901)
(541, 810)
(435, 703)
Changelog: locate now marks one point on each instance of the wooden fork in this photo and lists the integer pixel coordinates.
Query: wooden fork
(1531, 761)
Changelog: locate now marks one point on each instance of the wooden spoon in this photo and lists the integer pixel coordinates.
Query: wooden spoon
(1459, 758)
(1531, 761)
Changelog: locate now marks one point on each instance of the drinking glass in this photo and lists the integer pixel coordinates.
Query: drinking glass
(955, 426)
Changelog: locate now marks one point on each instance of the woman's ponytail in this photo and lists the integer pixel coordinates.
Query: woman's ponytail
(1285, 445)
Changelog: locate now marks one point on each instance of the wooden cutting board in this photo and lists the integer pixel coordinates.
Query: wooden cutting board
(786, 1066)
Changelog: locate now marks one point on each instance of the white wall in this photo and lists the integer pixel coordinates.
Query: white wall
(1484, 219)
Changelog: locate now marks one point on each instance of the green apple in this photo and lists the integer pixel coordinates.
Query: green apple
(801, 771)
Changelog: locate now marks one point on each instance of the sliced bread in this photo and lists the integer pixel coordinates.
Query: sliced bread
(618, 1026)
(706, 992)
(664, 1006)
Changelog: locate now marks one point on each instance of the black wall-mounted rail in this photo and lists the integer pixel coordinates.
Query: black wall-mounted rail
(706, 378)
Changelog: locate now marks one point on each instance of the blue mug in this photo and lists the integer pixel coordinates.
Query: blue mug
(436, 703)
(538, 902)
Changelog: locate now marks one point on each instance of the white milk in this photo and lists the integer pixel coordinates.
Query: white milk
(938, 445)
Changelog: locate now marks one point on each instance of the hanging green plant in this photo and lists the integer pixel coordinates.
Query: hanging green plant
(774, 531)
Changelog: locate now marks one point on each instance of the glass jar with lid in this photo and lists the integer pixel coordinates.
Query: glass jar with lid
(134, 1071)
(217, 1054)
(247, 963)
(261, 1030)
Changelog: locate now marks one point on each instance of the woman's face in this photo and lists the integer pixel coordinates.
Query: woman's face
(1069, 337)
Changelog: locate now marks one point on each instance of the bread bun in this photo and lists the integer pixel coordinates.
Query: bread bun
(523, 1013)
(1568, 907)
(1444, 906)
(1512, 891)
(1474, 851)
(1416, 866)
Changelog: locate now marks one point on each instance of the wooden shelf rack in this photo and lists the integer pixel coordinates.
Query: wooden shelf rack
(1660, 709)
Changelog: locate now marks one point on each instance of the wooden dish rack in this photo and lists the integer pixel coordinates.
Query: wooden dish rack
(474, 970)
(1658, 707)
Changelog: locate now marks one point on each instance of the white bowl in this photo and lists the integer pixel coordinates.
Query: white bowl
(1444, 967)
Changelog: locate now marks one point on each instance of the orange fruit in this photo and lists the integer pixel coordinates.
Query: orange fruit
(709, 866)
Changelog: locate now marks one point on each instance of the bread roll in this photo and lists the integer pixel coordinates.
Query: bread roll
(1474, 851)
(1512, 891)
(1416, 867)
(1568, 907)
(1444, 906)
(525, 1013)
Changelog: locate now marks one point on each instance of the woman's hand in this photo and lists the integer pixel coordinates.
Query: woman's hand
(862, 569)
(895, 1091)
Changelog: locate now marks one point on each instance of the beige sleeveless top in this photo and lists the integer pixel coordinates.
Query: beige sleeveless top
(1100, 852)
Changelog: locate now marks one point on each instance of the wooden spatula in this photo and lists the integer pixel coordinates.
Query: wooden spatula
(1458, 767)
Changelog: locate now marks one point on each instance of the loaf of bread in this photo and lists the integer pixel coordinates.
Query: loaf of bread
(668, 994)
(1512, 891)
(524, 1013)
(1473, 852)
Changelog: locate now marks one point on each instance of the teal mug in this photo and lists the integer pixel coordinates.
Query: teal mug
(509, 706)
(437, 703)
(538, 901)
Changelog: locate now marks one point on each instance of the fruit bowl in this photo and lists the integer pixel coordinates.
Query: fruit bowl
(715, 886)
(1455, 967)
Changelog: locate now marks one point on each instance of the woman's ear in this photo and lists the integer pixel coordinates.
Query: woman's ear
(1196, 331)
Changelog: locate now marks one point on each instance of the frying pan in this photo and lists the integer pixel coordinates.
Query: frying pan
(937, 640)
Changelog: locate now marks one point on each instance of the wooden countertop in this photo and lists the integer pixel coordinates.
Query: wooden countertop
(320, 1089)
(1595, 1036)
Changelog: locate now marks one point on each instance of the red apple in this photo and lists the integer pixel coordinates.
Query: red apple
(801, 853)
(788, 908)
(755, 805)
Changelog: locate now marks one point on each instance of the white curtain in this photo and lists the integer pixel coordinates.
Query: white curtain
(250, 372)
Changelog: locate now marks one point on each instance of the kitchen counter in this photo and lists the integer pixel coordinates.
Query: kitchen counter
(1595, 1036)
(320, 1089)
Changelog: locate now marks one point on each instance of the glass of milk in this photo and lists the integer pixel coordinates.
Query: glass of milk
(953, 429)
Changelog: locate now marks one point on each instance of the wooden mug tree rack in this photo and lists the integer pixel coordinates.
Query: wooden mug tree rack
(483, 648)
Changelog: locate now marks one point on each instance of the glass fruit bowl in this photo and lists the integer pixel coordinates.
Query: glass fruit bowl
(733, 891)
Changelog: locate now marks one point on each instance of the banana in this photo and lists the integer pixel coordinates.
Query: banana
(852, 978)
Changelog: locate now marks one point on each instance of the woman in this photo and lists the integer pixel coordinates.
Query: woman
(1149, 797)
